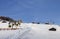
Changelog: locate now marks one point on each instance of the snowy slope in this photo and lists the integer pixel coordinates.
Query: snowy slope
(32, 31)
(40, 31)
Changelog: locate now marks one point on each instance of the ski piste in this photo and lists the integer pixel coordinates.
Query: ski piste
(32, 31)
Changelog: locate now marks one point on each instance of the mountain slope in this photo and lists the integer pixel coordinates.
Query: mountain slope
(32, 31)
(41, 31)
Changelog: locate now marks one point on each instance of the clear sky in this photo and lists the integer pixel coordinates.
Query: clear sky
(31, 10)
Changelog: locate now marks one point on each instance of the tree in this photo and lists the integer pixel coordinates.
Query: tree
(9, 26)
(12, 25)
(16, 25)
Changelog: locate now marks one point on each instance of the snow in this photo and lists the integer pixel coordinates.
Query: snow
(41, 31)
(32, 31)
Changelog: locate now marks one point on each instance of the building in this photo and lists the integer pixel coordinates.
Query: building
(7, 23)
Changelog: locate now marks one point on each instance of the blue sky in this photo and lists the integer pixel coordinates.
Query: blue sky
(31, 10)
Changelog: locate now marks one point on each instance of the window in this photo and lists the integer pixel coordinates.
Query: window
(4, 21)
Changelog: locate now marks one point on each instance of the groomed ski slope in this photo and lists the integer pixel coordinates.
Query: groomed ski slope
(32, 31)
